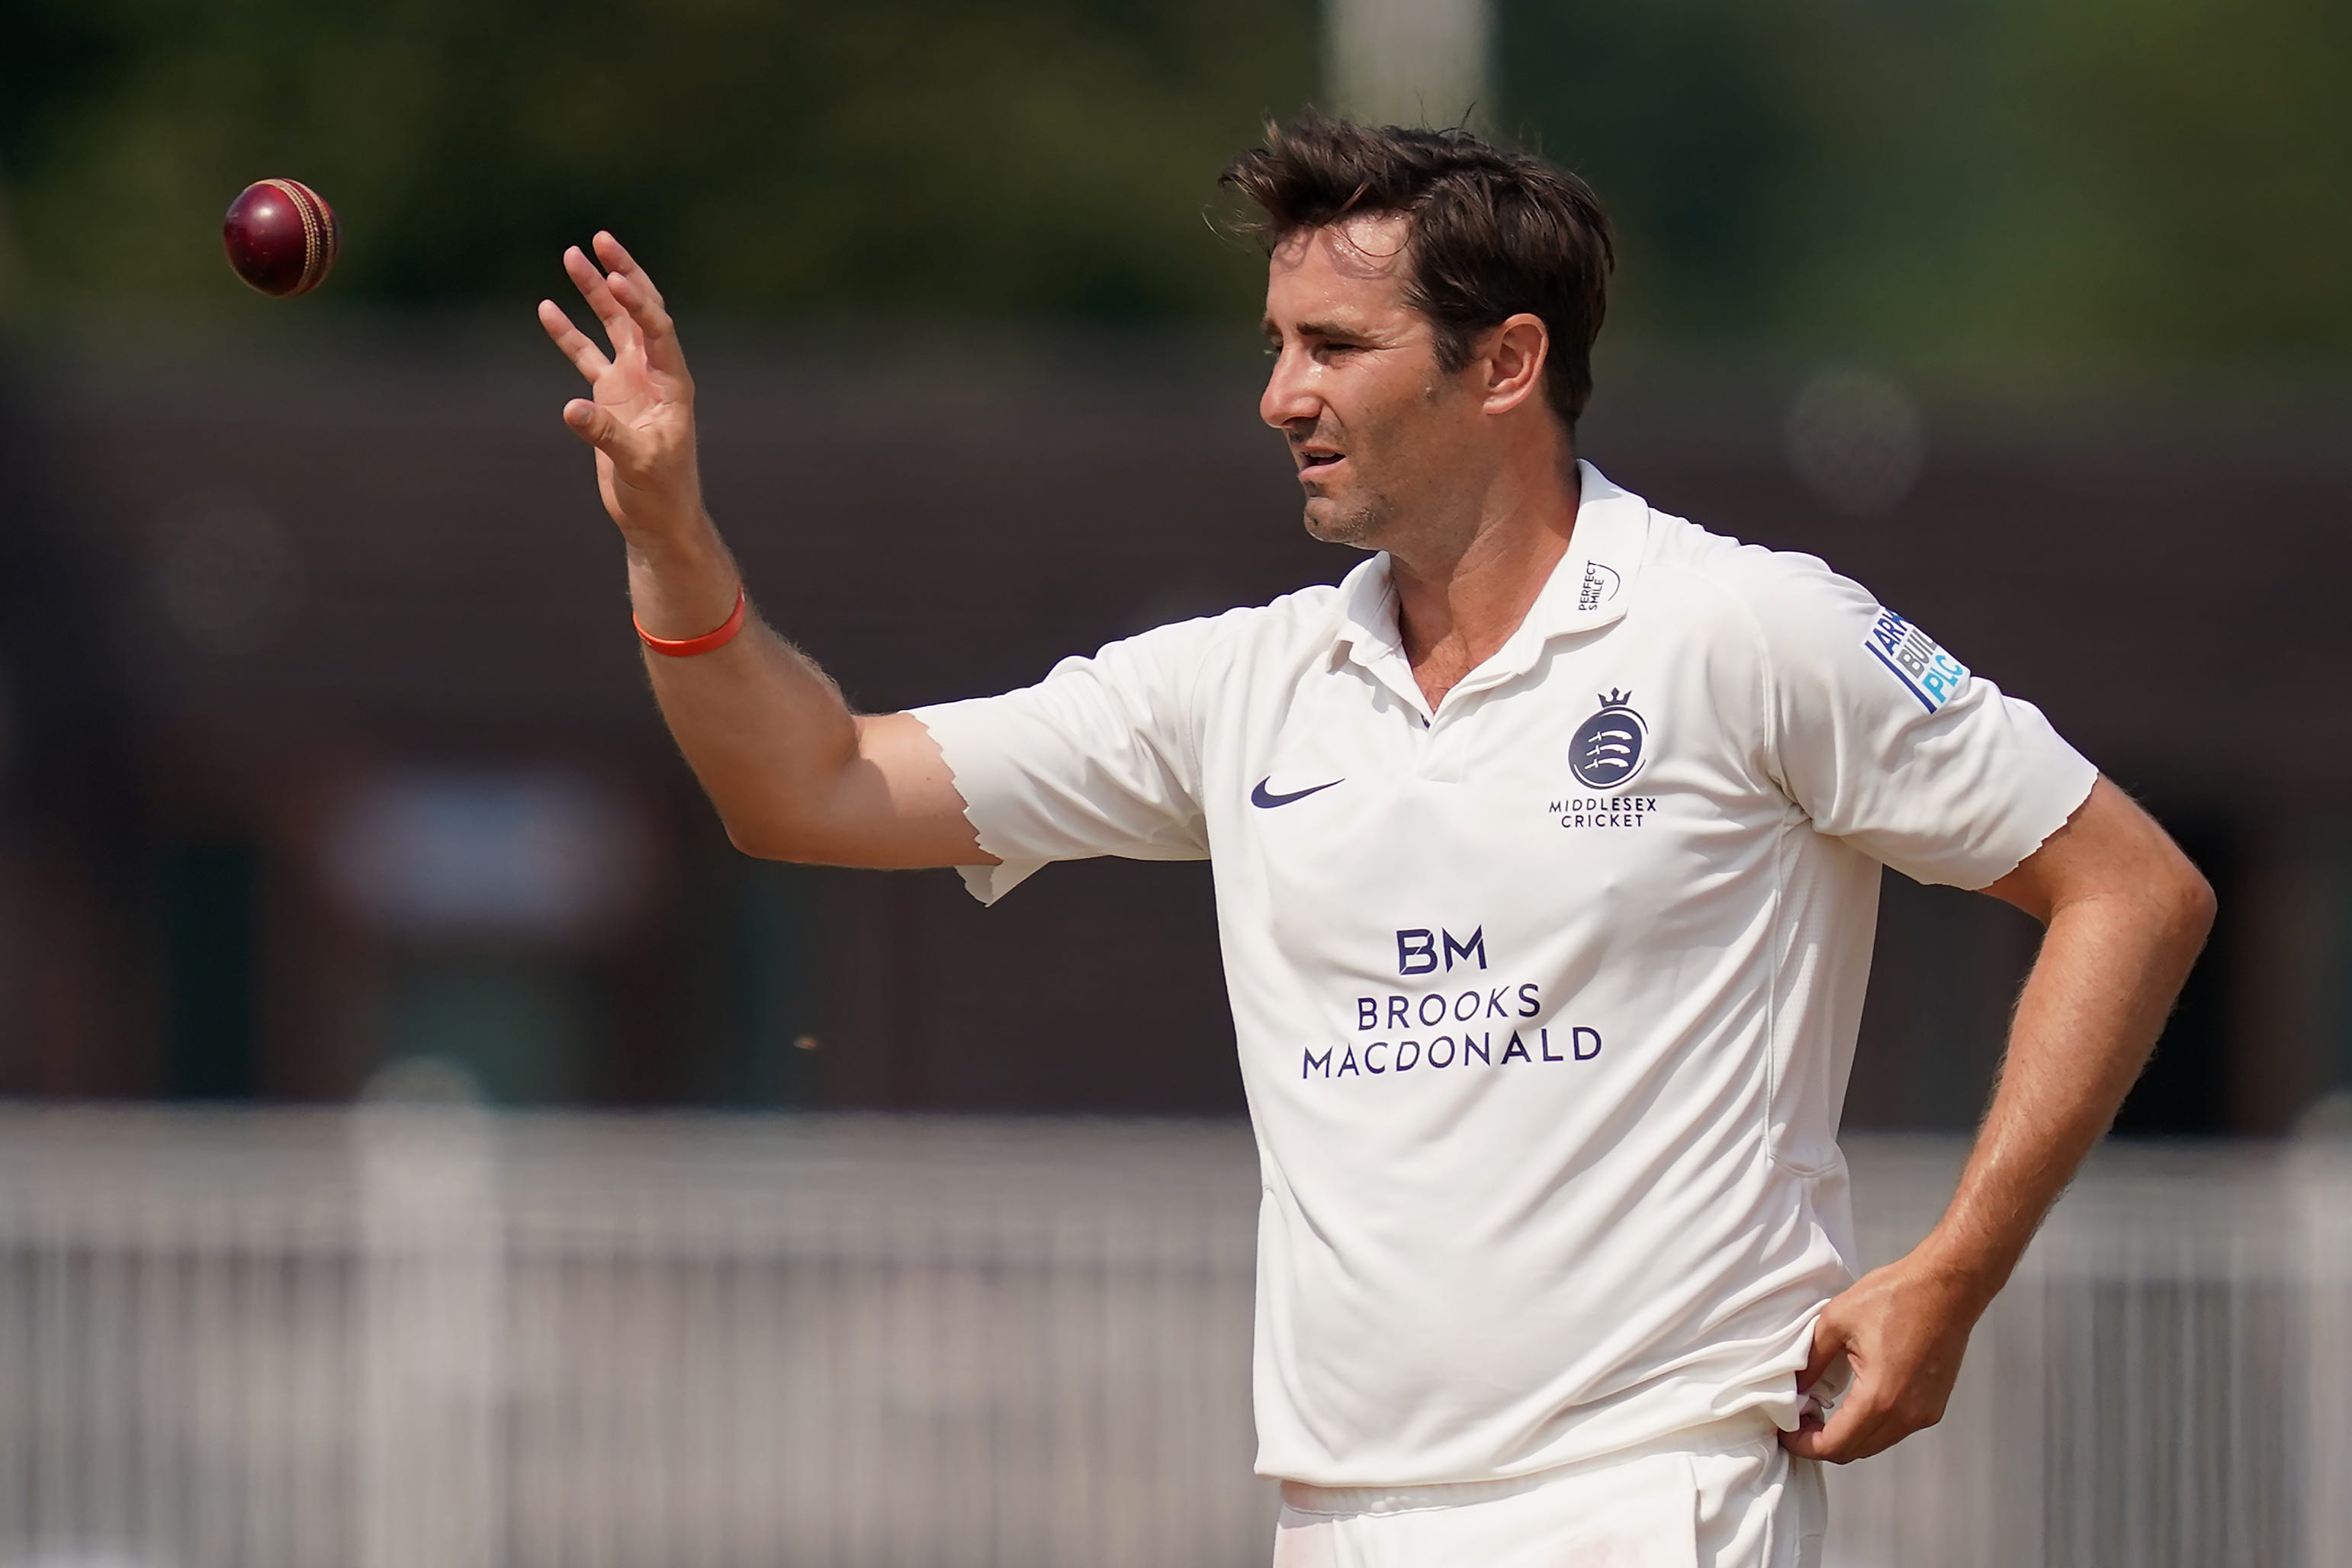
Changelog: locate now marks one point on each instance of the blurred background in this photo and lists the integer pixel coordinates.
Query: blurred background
(329, 777)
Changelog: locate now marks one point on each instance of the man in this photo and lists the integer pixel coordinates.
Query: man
(1547, 851)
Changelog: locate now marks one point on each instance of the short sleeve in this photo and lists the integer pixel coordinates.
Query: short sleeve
(1889, 743)
(1098, 758)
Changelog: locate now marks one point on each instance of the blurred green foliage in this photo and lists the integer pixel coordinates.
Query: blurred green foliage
(2005, 181)
(1998, 181)
(1049, 158)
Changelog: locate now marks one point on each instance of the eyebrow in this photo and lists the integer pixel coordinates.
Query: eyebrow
(1311, 329)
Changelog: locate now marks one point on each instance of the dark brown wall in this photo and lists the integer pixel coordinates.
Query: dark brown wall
(442, 584)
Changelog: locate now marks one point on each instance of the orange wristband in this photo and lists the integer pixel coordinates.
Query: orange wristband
(686, 647)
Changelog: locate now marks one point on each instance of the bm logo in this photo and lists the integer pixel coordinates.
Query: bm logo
(1419, 952)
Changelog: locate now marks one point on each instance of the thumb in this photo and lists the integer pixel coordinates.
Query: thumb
(1829, 1342)
(591, 424)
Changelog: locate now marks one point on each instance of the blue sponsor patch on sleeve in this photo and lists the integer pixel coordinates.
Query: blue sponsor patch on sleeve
(1911, 656)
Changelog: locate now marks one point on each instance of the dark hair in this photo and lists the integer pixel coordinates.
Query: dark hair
(1494, 232)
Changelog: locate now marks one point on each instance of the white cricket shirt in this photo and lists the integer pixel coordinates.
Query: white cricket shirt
(1546, 998)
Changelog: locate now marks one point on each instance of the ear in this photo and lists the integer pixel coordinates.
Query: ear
(1513, 354)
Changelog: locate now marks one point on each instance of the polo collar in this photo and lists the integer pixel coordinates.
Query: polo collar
(1590, 587)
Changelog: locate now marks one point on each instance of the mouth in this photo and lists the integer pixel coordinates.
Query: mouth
(1317, 462)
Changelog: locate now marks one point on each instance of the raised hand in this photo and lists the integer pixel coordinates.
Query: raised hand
(639, 414)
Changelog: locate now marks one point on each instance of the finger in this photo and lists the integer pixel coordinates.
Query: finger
(654, 328)
(1829, 1344)
(1830, 1434)
(585, 357)
(636, 289)
(594, 289)
(1810, 1443)
(616, 258)
(1844, 1435)
(1863, 1424)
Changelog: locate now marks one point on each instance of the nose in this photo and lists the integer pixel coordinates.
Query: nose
(1287, 396)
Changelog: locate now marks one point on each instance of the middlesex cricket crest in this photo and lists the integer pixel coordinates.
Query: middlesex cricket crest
(1609, 747)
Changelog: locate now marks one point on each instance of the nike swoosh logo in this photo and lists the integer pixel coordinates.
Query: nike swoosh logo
(1265, 799)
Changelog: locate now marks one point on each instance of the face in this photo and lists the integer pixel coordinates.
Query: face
(1382, 436)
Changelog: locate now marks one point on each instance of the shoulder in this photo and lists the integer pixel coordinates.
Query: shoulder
(1787, 602)
(1247, 634)
(1780, 633)
(1821, 649)
(1177, 661)
(1304, 614)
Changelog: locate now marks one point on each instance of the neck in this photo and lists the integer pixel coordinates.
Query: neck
(1460, 597)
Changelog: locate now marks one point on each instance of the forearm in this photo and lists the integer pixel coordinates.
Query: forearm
(2108, 971)
(2125, 913)
(765, 731)
(795, 775)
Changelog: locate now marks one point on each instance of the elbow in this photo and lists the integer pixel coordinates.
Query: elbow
(2195, 905)
(2181, 901)
(748, 839)
(765, 842)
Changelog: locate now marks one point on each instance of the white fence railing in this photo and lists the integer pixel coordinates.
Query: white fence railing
(408, 1336)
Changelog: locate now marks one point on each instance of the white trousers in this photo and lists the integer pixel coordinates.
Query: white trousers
(1726, 1496)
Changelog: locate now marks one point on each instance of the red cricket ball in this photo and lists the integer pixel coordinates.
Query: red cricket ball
(280, 236)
